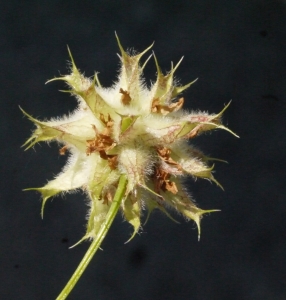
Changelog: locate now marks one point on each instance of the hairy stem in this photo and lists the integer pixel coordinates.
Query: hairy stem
(98, 240)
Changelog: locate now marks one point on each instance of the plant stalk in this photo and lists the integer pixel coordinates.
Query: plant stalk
(119, 195)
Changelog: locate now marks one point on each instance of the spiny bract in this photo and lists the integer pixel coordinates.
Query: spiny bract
(128, 129)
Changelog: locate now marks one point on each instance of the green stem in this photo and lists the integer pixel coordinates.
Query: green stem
(98, 240)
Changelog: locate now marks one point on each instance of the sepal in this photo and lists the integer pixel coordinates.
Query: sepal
(73, 176)
(132, 212)
(182, 203)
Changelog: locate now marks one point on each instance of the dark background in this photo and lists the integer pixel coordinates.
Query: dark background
(237, 49)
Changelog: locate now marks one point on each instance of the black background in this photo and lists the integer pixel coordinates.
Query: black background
(237, 49)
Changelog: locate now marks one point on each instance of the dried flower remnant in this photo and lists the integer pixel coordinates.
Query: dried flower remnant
(127, 135)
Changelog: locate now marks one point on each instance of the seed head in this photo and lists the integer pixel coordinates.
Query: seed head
(133, 130)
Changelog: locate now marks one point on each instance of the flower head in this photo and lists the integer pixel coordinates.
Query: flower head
(133, 130)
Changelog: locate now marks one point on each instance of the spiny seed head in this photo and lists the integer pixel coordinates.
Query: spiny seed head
(133, 130)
